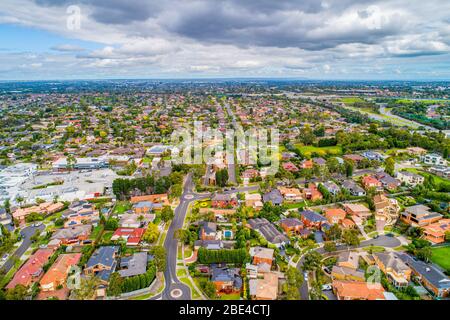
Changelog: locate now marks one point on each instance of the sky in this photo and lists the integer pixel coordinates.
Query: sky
(313, 39)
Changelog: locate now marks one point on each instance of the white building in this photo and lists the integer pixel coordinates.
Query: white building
(80, 163)
(11, 179)
(433, 159)
(410, 178)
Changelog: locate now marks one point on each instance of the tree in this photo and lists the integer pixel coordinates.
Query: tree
(208, 288)
(348, 164)
(312, 261)
(151, 234)
(350, 237)
(334, 232)
(447, 236)
(19, 292)
(222, 177)
(166, 213)
(329, 246)
(424, 253)
(87, 289)
(159, 255)
(115, 285)
(182, 235)
(389, 166)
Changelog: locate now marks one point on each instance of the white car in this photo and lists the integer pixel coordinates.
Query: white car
(5, 257)
(305, 276)
(326, 287)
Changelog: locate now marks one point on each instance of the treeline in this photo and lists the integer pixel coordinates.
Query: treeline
(123, 188)
(238, 256)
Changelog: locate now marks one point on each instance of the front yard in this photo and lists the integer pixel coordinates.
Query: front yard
(441, 256)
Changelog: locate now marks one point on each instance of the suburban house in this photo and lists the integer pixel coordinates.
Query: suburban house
(131, 235)
(312, 193)
(435, 232)
(208, 244)
(410, 178)
(312, 219)
(253, 200)
(79, 213)
(395, 269)
(135, 220)
(357, 210)
(384, 205)
(387, 181)
(419, 215)
(274, 196)
(133, 265)
(57, 274)
(433, 159)
(289, 166)
(371, 182)
(291, 225)
(145, 207)
(161, 198)
(268, 231)
(102, 263)
(32, 270)
(356, 290)
(265, 288)
(73, 235)
(224, 200)
(291, 194)
(226, 280)
(349, 259)
(307, 164)
(208, 231)
(261, 255)
(45, 208)
(332, 187)
(353, 188)
(429, 275)
(356, 158)
(347, 274)
(334, 215)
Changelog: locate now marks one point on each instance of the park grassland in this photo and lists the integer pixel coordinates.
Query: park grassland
(307, 151)
(351, 100)
(441, 257)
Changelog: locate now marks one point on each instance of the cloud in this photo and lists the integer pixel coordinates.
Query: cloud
(67, 48)
(239, 37)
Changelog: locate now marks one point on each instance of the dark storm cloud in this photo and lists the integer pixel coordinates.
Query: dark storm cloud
(243, 23)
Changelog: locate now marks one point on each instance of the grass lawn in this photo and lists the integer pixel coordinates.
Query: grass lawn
(374, 249)
(307, 151)
(351, 100)
(294, 205)
(107, 236)
(441, 256)
(187, 252)
(96, 231)
(181, 273)
(121, 207)
(231, 296)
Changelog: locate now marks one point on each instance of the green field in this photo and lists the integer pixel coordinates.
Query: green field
(351, 100)
(441, 256)
(307, 151)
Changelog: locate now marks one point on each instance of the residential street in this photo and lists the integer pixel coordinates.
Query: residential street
(26, 233)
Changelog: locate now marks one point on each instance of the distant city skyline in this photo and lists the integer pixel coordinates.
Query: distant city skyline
(175, 39)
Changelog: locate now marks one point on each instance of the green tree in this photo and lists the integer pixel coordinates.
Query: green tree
(389, 166)
(312, 261)
(151, 234)
(87, 289)
(349, 166)
(329, 246)
(167, 213)
(115, 285)
(208, 288)
(350, 237)
(19, 292)
(159, 255)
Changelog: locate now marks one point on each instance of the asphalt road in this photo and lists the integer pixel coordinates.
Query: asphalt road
(384, 241)
(174, 288)
(26, 233)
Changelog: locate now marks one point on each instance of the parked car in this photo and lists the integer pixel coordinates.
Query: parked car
(305, 276)
(5, 257)
(326, 287)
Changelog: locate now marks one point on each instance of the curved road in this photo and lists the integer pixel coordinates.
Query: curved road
(174, 288)
(384, 241)
(26, 233)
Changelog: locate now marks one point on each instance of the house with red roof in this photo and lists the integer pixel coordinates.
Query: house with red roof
(56, 276)
(32, 270)
(131, 235)
(371, 182)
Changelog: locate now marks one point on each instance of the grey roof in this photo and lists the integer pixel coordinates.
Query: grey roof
(268, 230)
(209, 227)
(348, 271)
(227, 274)
(391, 260)
(72, 232)
(428, 271)
(133, 265)
(273, 196)
(319, 161)
(223, 197)
(313, 216)
(104, 256)
(209, 244)
(291, 222)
